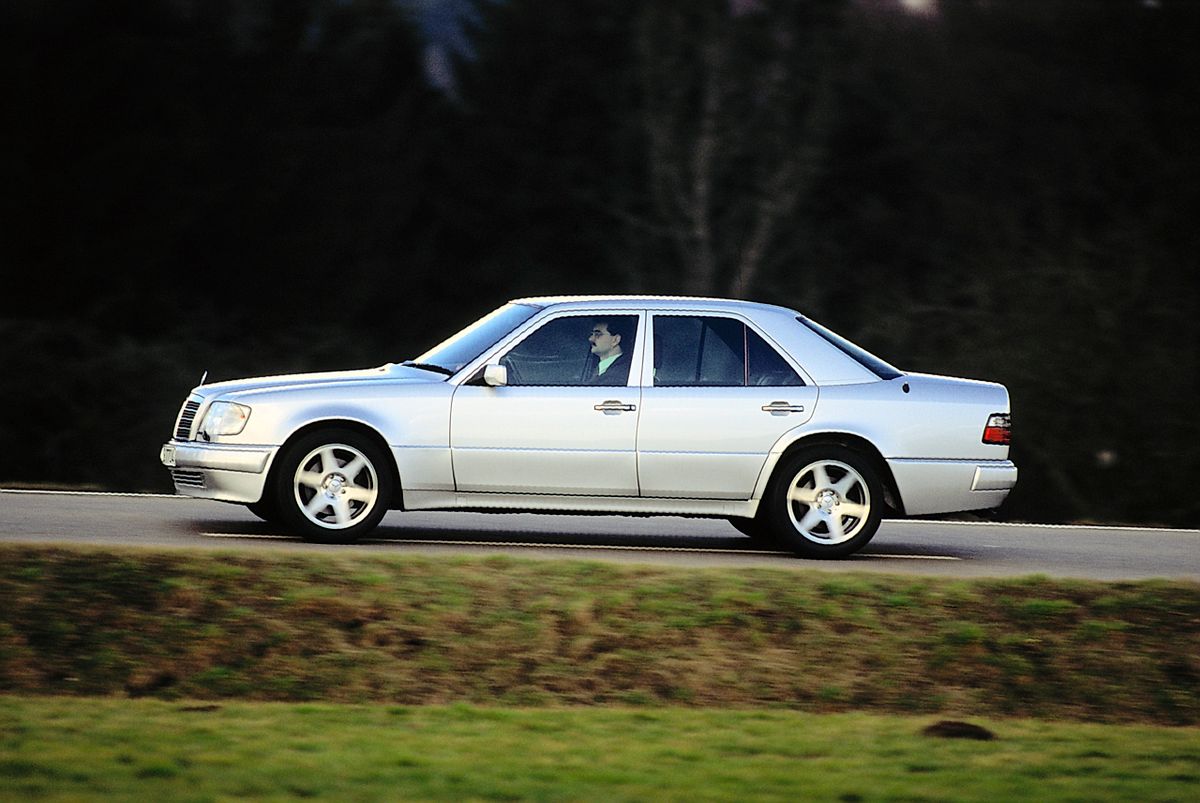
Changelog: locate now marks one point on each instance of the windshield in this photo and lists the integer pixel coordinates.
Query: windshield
(458, 350)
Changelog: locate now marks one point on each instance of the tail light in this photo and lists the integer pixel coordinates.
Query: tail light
(998, 430)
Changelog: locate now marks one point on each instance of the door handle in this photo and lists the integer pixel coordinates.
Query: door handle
(612, 407)
(782, 408)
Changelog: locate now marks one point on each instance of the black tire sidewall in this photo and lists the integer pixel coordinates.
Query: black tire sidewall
(283, 496)
(755, 529)
(776, 513)
(265, 509)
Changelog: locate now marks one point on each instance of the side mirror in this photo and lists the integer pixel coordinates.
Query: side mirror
(495, 376)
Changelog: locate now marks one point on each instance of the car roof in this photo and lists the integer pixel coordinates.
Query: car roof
(654, 302)
(825, 362)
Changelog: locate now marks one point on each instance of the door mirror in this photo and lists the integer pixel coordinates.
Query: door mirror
(495, 376)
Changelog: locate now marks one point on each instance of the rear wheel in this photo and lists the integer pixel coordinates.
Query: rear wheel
(333, 486)
(755, 529)
(825, 502)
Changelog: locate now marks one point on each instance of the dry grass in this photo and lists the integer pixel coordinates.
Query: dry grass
(499, 631)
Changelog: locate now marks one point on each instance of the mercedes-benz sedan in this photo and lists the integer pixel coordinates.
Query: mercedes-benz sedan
(631, 405)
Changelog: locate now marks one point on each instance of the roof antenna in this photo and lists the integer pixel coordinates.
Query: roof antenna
(204, 376)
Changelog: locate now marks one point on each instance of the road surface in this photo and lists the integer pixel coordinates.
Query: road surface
(945, 548)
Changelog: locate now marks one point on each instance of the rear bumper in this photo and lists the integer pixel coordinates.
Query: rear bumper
(213, 471)
(947, 486)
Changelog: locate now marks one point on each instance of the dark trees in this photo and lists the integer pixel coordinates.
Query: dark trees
(1001, 189)
(661, 147)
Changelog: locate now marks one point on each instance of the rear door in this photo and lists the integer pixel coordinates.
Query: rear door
(717, 396)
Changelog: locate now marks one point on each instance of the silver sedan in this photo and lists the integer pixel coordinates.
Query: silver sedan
(632, 405)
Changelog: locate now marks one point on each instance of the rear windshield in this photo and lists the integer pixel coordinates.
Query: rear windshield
(861, 356)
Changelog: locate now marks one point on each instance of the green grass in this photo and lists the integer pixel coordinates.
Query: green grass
(413, 679)
(400, 629)
(84, 749)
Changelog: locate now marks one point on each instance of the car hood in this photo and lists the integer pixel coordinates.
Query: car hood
(390, 373)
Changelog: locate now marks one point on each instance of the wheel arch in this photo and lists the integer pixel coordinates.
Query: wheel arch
(396, 503)
(893, 502)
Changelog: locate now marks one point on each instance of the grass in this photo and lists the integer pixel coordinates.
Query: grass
(415, 631)
(86, 748)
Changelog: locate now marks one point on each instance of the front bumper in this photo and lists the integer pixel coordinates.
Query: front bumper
(949, 486)
(218, 471)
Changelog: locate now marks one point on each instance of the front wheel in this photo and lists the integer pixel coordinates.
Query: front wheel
(265, 509)
(333, 486)
(825, 502)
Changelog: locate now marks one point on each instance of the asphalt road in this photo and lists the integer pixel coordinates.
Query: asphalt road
(962, 549)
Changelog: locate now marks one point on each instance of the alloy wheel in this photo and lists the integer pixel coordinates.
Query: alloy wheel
(828, 502)
(336, 486)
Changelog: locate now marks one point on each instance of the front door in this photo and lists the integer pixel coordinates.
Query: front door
(566, 422)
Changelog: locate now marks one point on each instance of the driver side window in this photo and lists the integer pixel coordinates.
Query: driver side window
(562, 352)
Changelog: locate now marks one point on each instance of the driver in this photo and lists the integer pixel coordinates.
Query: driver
(612, 367)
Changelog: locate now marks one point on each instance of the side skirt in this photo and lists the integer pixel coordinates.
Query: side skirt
(588, 505)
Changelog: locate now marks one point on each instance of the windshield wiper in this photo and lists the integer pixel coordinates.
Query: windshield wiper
(427, 366)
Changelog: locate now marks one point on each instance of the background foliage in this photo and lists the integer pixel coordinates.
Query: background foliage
(1003, 190)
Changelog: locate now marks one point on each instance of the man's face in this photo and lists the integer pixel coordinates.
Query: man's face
(603, 344)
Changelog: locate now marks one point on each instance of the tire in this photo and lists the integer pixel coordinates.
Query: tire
(265, 509)
(755, 529)
(333, 486)
(825, 502)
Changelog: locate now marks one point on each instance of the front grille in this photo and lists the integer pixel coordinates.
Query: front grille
(183, 427)
(187, 479)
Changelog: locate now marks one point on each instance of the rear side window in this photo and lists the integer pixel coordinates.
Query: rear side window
(767, 368)
(709, 351)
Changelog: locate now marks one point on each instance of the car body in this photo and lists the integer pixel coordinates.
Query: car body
(729, 409)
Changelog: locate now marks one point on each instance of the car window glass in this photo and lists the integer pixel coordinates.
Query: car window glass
(860, 355)
(767, 368)
(463, 347)
(560, 352)
(695, 350)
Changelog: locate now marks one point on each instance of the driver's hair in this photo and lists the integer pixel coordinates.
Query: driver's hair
(620, 325)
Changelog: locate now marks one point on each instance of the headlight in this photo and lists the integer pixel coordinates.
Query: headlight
(224, 418)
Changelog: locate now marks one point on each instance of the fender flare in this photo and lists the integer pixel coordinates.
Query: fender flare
(363, 428)
(800, 438)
